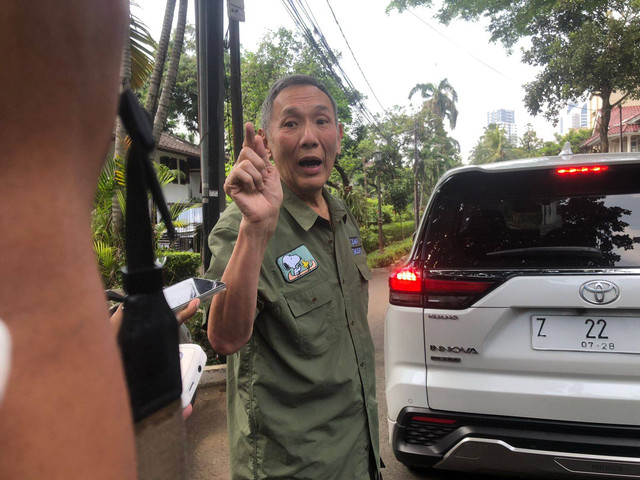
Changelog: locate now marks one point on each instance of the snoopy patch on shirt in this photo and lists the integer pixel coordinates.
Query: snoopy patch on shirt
(297, 263)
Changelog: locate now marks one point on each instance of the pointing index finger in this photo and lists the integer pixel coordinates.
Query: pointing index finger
(249, 135)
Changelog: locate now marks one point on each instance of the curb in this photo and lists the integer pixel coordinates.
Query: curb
(213, 375)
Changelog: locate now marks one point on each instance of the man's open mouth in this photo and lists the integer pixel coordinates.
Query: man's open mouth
(309, 162)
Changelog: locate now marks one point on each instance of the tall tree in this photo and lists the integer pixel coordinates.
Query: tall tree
(161, 56)
(584, 48)
(172, 72)
(439, 99)
(530, 143)
(493, 146)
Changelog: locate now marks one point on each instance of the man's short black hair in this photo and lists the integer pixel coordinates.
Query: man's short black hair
(291, 81)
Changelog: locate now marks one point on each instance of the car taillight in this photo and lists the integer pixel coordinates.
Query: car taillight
(409, 288)
(405, 287)
(453, 294)
(581, 170)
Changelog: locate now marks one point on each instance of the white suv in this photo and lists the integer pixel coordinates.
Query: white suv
(512, 338)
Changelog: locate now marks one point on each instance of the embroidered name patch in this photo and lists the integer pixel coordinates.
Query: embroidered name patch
(356, 248)
(297, 263)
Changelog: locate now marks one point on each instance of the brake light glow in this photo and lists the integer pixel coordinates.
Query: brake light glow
(408, 287)
(406, 279)
(581, 170)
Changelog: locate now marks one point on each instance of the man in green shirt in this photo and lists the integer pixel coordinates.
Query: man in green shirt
(293, 320)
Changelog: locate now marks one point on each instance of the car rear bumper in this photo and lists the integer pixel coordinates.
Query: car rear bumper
(533, 448)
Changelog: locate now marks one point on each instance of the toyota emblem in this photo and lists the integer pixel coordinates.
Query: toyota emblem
(599, 292)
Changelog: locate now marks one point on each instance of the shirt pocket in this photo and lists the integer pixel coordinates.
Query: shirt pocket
(365, 276)
(314, 316)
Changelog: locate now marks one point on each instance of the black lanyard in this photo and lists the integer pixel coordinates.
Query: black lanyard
(148, 337)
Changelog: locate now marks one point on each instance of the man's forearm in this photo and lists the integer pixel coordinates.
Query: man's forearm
(232, 312)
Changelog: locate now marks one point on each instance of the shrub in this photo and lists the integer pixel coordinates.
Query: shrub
(179, 266)
(392, 254)
(199, 336)
(398, 231)
(392, 232)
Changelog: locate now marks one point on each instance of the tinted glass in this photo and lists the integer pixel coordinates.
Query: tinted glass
(536, 219)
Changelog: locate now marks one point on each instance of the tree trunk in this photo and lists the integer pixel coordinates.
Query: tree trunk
(343, 175)
(605, 116)
(120, 146)
(125, 80)
(172, 72)
(161, 56)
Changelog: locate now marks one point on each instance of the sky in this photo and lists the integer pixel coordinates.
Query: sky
(397, 51)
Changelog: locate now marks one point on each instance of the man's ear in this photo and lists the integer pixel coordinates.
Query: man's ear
(263, 134)
(340, 135)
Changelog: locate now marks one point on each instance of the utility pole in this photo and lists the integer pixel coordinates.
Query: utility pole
(380, 234)
(235, 9)
(210, 53)
(416, 203)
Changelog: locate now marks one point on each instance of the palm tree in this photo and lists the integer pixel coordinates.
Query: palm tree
(440, 100)
(172, 71)
(492, 147)
(161, 56)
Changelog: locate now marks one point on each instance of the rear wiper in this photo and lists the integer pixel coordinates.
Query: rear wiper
(544, 251)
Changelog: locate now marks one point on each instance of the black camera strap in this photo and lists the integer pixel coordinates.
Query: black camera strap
(148, 337)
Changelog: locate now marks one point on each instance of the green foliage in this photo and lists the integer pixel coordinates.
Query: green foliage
(439, 100)
(107, 217)
(493, 146)
(279, 54)
(391, 255)
(142, 50)
(574, 137)
(183, 109)
(399, 193)
(179, 265)
(199, 336)
(391, 232)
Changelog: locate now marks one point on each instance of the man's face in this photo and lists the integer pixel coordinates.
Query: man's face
(303, 138)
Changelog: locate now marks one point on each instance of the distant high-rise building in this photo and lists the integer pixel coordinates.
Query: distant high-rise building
(574, 117)
(505, 119)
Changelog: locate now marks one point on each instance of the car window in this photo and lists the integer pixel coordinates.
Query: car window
(535, 221)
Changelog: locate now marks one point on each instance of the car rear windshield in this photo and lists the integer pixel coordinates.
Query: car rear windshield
(535, 219)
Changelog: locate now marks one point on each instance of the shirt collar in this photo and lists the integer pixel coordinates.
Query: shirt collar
(303, 214)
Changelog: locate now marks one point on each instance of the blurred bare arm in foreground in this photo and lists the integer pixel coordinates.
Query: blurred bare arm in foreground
(66, 412)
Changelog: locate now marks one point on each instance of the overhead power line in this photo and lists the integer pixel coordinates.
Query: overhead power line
(458, 45)
(354, 57)
(305, 22)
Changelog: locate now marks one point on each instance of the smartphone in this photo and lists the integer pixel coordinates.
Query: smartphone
(192, 363)
(179, 295)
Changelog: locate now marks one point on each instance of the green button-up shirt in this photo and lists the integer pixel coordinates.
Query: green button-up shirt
(301, 393)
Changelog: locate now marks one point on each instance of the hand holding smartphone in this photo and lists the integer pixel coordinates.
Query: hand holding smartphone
(179, 295)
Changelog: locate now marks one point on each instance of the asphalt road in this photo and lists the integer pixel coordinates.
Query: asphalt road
(207, 454)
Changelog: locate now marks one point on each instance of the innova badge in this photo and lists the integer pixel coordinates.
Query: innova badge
(599, 292)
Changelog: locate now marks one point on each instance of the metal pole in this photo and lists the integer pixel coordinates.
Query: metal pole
(236, 90)
(380, 234)
(416, 204)
(209, 28)
(620, 110)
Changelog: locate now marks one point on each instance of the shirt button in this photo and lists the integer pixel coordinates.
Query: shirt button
(343, 280)
(331, 240)
(314, 299)
(362, 364)
(352, 322)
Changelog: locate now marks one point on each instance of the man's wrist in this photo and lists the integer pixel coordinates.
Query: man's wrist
(258, 232)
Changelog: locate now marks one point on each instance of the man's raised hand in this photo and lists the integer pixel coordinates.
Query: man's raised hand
(254, 183)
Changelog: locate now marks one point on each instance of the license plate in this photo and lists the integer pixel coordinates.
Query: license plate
(585, 333)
